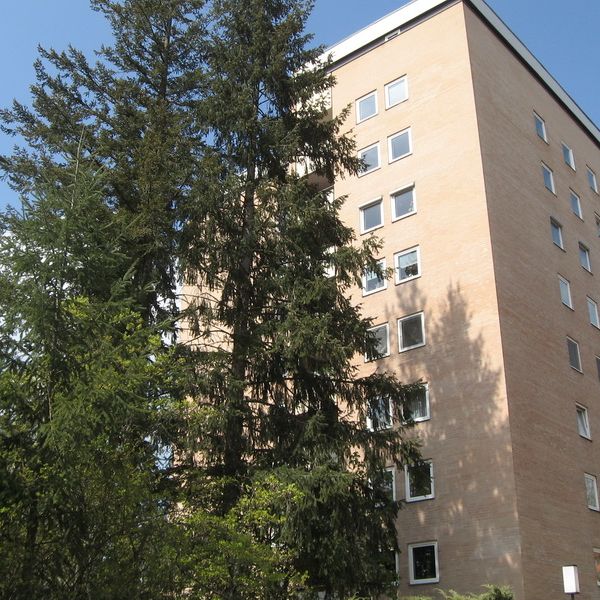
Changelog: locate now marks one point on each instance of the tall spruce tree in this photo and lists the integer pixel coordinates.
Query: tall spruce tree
(138, 103)
(276, 338)
(83, 410)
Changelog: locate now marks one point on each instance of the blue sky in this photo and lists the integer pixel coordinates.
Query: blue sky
(563, 35)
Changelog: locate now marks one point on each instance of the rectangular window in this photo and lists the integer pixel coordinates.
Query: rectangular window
(389, 483)
(416, 405)
(399, 145)
(565, 291)
(370, 158)
(540, 127)
(597, 219)
(379, 414)
(583, 422)
(548, 177)
(598, 366)
(372, 281)
(593, 312)
(380, 337)
(568, 156)
(591, 490)
(597, 564)
(418, 481)
(574, 356)
(556, 229)
(423, 563)
(329, 263)
(366, 107)
(575, 204)
(411, 332)
(396, 92)
(407, 264)
(403, 203)
(371, 216)
(592, 180)
(584, 257)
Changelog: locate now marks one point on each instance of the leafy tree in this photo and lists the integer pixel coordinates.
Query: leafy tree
(138, 105)
(276, 388)
(82, 405)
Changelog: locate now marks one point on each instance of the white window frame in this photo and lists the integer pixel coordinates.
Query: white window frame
(568, 155)
(368, 204)
(588, 477)
(388, 105)
(411, 569)
(357, 109)
(567, 284)
(543, 127)
(547, 169)
(392, 470)
(574, 196)
(406, 188)
(555, 223)
(578, 369)
(365, 149)
(382, 262)
(408, 131)
(400, 320)
(586, 252)
(397, 256)
(592, 179)
(389, 426)
(410, 498)
(586, 431)
(592, 306)
(427, 407)
(597, 221)
(387, 335)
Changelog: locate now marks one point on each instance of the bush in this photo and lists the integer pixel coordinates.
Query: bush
(493, 593)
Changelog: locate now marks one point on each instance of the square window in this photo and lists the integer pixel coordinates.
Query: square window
(411, 332)
(370, 158)
(592, 180)
(556, 230)
(418, 480)
(372, 281)
(399, 145)
(583, 422)
(379, 414)
(565, 291)
(423, 563)
(540, 127)
(568, 156)
(548, 177)
(584, 257)
(366, 107)
(416, 405)
(403, 203)
(593, 312)
(380, 337)
(575, 204)
(371, 216)
(396, 92)
(591, 491)
(408, 264)
(574, 356)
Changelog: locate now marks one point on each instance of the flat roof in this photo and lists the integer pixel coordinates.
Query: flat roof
(419, 8)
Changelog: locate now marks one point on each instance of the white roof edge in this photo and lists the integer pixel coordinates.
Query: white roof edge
(416, 8)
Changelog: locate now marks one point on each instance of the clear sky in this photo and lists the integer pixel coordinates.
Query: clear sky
(562, 34)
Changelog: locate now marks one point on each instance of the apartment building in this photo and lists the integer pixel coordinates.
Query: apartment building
(481, 178)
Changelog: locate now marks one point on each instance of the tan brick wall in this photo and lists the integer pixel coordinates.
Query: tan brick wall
(473, 516)
(550, 457)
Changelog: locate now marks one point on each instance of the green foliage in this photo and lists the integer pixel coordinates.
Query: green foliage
(493, 592)
(82, 406)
